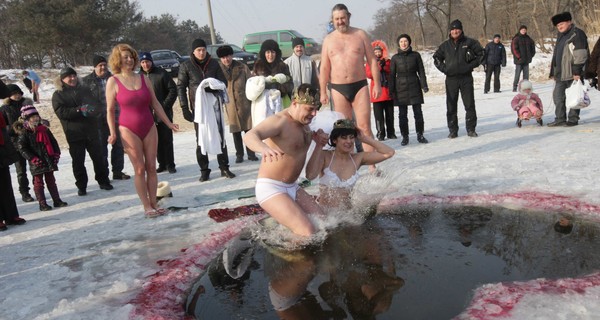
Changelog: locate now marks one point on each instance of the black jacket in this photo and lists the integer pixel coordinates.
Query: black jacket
(164, 88)
(29, 148)
(523, 48)
(66, 101)
(3, 90)
(458, 58)
(407, 78)
(495, 54)
(11, 110)
(191, 73)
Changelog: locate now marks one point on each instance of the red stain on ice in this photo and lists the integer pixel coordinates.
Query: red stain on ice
(163, 295)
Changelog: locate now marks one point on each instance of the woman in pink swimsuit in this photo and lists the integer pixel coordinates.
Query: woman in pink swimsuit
(136, 98)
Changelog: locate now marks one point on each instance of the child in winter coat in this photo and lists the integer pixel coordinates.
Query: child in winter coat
(37, 144)
(527, 104)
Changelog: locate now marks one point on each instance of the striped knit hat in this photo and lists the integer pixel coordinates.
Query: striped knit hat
(28, 110)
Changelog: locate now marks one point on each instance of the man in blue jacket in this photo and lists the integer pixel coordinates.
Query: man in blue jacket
(456, 58)
(495, 58)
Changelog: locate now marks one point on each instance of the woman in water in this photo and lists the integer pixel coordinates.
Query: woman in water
(338, 169)
(137, 100)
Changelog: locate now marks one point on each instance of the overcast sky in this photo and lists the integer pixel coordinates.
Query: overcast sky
(234, 18)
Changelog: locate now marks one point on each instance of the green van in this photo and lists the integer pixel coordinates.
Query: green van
(252, 42)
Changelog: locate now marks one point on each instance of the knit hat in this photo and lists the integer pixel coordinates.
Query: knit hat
(13, 88)
(297, 41)
(67, 71)
(497, 36)
(146, 56)
(404, 35)
(224, 51)
(28, 110)
(198, 43)
(561, 17)
(456, 24)
(97, 60)
(522, 27)
(526, 84)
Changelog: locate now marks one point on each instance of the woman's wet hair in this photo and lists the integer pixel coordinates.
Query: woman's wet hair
(342, 127)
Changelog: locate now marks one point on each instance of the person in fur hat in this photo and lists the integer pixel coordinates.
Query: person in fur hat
(37, 144)
(11, 110)
(568, 59)
(383, 106)
(527, 104)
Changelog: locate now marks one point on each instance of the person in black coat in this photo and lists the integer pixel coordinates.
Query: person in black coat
(523, 50)
(9, 213)
(96, 82)
(495, 58)
(166, 93)
(407, 84)
(75, 106)
(37, 144)
(192, 72)
(12, 111)
(456, 58)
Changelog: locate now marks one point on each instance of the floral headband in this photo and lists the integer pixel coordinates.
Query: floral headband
(344, 124)
(307, 99)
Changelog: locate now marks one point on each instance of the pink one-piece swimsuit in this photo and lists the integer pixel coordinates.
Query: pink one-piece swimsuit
(136, 114)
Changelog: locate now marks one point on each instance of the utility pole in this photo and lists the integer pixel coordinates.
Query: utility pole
(213, 37)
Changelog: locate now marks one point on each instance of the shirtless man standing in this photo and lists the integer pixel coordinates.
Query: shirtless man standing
(286, 137)
(342, 65)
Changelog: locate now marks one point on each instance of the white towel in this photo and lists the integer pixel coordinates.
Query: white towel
(209, 115)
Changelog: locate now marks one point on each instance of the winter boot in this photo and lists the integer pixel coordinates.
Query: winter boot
(519, 122)
(41, 198)
(404, 141)
(380, 130)
(26, 197)
(44, 206)
(204, 175)
(540, 122)
(226, 173)
(420, 126)
(421, 138)
(58, 203)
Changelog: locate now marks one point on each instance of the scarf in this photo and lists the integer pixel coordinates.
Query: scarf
(43, 137)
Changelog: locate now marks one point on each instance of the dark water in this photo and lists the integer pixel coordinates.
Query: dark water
(421, 264)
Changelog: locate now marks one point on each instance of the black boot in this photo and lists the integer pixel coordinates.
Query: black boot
(226, 173)
(404, 140)
(44, 206)
(26, 197)
(421, 138)
(518, 122)
(540, 122)
(53, 189)
(380, 130)
(204, 175)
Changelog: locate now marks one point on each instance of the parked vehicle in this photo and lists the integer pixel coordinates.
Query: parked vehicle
(253, 41)
(238, 54)
(168, 60)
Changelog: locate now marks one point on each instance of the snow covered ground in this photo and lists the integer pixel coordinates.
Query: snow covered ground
(99, 258)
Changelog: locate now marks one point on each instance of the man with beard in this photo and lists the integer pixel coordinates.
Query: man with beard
(342, 60)
(192, 72)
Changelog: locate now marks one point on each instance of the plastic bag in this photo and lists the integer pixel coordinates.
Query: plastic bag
(576, 96)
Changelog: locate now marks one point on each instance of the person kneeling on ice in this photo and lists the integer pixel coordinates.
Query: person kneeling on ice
(527, 104)
(287, 137)
(338, 169)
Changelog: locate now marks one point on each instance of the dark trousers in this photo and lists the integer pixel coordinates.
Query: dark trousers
(239, 145)
(558, 95)
(518, 68)
(21, 168)
(93, 147)
(117, 155)
(463, 85)
(222, 158)
(165, 154)
(8, 205)
(489, 70)
(403, 119)
(38, 187)
(384, 118)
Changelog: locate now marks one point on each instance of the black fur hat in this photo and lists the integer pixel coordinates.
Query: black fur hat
(269, 45)
(561, 17)
(224, 51)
